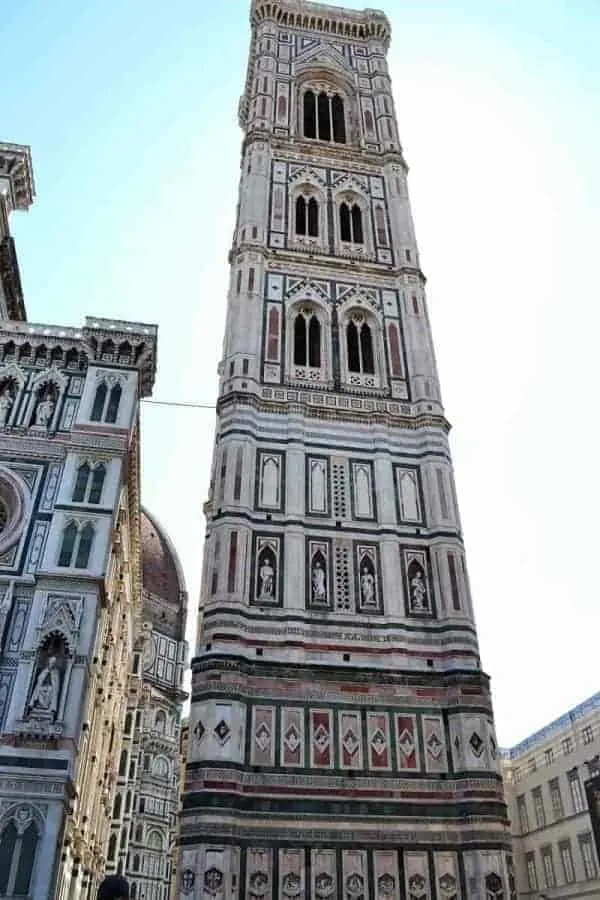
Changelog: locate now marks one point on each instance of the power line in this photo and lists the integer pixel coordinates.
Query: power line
(180, 404)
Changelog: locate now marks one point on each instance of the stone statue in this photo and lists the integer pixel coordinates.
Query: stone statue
(266, 575)
(418, 592)
(367, 587)
(44, 411)
(6, 402)
(46, 691)
(319, 591)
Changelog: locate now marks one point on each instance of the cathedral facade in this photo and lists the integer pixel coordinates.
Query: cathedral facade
(341, 733)
(92, 614)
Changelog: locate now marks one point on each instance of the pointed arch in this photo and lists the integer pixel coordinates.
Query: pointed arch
(338, 119)
(112, 846)
(300, 215)
(300, 341)
(99, 401)
(313, 217)
(81, 483)
(86, 539)
(114, 401)
(357, 227)
(314, 342)
(98, 476)
(345, 226)
(68, 545)
(310, 114)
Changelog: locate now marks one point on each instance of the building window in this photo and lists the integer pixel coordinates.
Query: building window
(549, 756)
(567, 745)
(238, 282)
(106, 403)
(576, 791)
(593, 767)
(324, 117)
(517, 774)
(307, 340)
(532, 879)
(394, 346)
(556, 799)
(351, 229)
(531, 763)
(523, 816)
(587, 734)
(214, 584)
(587, 854)
(548, 865)
(237, 481)
(566, 858)
(76, 544)
(538, 805)
(89, 483)
(359, 346)
(250, 279)
(307, 217)
(17, 857)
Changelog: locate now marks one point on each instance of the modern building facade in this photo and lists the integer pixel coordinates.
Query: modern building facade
(341, 736)
(545, 777)
(85, 596)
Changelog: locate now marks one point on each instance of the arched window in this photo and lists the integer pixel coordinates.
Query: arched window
(339, 122)
(307, 217)
(307, 341)
(136, 863)
(324, 117)
(28, 846)
(359, 345)
(99, 401)
(112, 846)
(81, 483)
(128, 723)
(98, 477)
(160, 722)
(313, 218)
(123, 763)
(301, 215)
(68, 545)
(369, 123)
(85, 545)
(139, 834)
(351, 229)
(112, 409)
(310, 115)
(117, 807)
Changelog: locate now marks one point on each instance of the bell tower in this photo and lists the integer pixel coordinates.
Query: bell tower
(341, 739)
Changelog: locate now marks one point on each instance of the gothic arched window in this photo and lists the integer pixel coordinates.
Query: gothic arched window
(359, 345)
(117, 807)
(85, 545)
(112, 846)
(99, 401)
(310, 116)
(68, 545)
(324, 117)
(307, 217)
(351, 230)
(81, 483)
(98, 477)
(307, 341)
(112, 409)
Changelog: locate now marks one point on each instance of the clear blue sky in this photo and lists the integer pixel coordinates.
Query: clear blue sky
(130, 110)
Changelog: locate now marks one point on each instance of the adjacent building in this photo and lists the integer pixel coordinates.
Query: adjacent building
(341, 733)
(92, 602)
(545, 776)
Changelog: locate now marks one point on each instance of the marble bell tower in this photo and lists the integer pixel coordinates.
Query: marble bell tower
(341, 740)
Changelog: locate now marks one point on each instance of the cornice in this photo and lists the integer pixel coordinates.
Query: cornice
(16, 176)
(335, 21)
(297, 148)
(382, 411)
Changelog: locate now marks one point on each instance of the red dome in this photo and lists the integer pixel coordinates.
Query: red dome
(161, 569)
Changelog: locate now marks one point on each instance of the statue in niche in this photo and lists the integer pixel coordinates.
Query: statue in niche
(6, 403)
(266, 577)
(418, 591)
(367, 587)
(45, 408)
(318, 582)
(45, 696)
